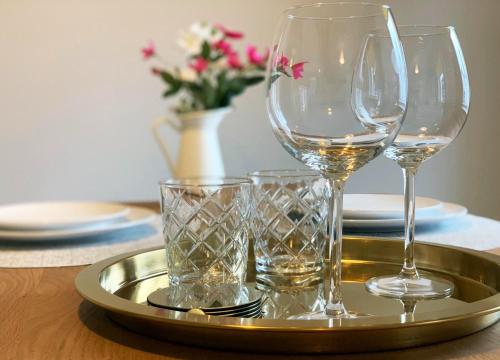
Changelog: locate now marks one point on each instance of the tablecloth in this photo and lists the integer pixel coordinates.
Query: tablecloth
(468, 231)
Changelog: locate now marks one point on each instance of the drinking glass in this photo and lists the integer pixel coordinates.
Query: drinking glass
(289, 225)
(332, 111)
(205, 228)
(439, 103)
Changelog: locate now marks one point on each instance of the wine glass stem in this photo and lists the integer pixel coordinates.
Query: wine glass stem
(409, 269)
(409, 307)
(335, 305)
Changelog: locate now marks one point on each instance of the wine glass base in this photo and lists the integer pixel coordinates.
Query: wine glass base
(321, 315)
(423, 287)
(334, 312)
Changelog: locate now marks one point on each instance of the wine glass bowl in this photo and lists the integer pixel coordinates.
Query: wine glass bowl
(315, 112)
(439, 93)
(439, 96)
(319, 99)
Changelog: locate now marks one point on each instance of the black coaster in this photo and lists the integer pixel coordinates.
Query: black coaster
(222, 299)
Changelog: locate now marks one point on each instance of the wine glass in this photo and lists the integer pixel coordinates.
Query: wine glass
(322, 68)
(439, 96)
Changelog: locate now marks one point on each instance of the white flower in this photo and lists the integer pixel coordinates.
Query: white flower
(188, 74)
(190, 42)
(206, 32)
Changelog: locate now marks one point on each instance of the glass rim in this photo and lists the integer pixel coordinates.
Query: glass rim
(287, 11)
(197, 182)
(431, 30)
(285, 173)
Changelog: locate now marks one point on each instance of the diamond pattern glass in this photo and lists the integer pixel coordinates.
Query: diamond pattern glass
(286, 304)
(289, 226)
(205, 228)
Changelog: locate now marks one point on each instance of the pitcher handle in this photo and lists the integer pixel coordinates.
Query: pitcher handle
(155, 129)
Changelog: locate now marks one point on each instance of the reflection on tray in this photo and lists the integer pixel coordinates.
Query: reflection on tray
(283, 304)
(121, 285)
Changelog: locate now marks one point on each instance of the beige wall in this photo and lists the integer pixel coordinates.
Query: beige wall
(76, 100)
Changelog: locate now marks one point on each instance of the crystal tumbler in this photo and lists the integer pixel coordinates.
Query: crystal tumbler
(289, 225)
(205, 228)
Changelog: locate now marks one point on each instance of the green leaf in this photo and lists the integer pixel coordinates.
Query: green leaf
(205, 50)
(273, 78)
(170, 92)
(224, 101)
(168, 78)
(237, 85)
(253, 80)
(174, 89)
(221, 89)
(196, 93)
(192, 86)
(174, 84)
(209, 94)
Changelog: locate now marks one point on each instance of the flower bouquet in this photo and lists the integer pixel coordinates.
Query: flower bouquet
(214, 73)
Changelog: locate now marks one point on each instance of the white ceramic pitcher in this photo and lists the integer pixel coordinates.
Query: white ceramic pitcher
(199, 151)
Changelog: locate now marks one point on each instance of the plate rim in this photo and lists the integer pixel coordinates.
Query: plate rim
(32, 226)
(459, 211)
(76, 233)
(372, 214)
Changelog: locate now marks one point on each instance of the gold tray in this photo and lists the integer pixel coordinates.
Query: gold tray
(121, 284)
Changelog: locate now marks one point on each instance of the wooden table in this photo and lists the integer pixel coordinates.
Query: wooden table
(43, 317)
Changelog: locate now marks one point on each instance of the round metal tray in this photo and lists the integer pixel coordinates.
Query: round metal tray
(121, 284)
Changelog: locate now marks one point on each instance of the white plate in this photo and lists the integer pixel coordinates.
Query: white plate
(447, 211)
(384, 206)
(135, 217)
(58, 215)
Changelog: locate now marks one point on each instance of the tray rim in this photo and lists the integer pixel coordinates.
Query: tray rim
(88, 281)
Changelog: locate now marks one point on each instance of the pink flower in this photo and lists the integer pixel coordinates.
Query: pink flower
(233, 60)
(149, 50)
(298, 69)
(223, 46)
(254, 57)
(283, 61)
(156, 71)
(199, 64)
(229, 33)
